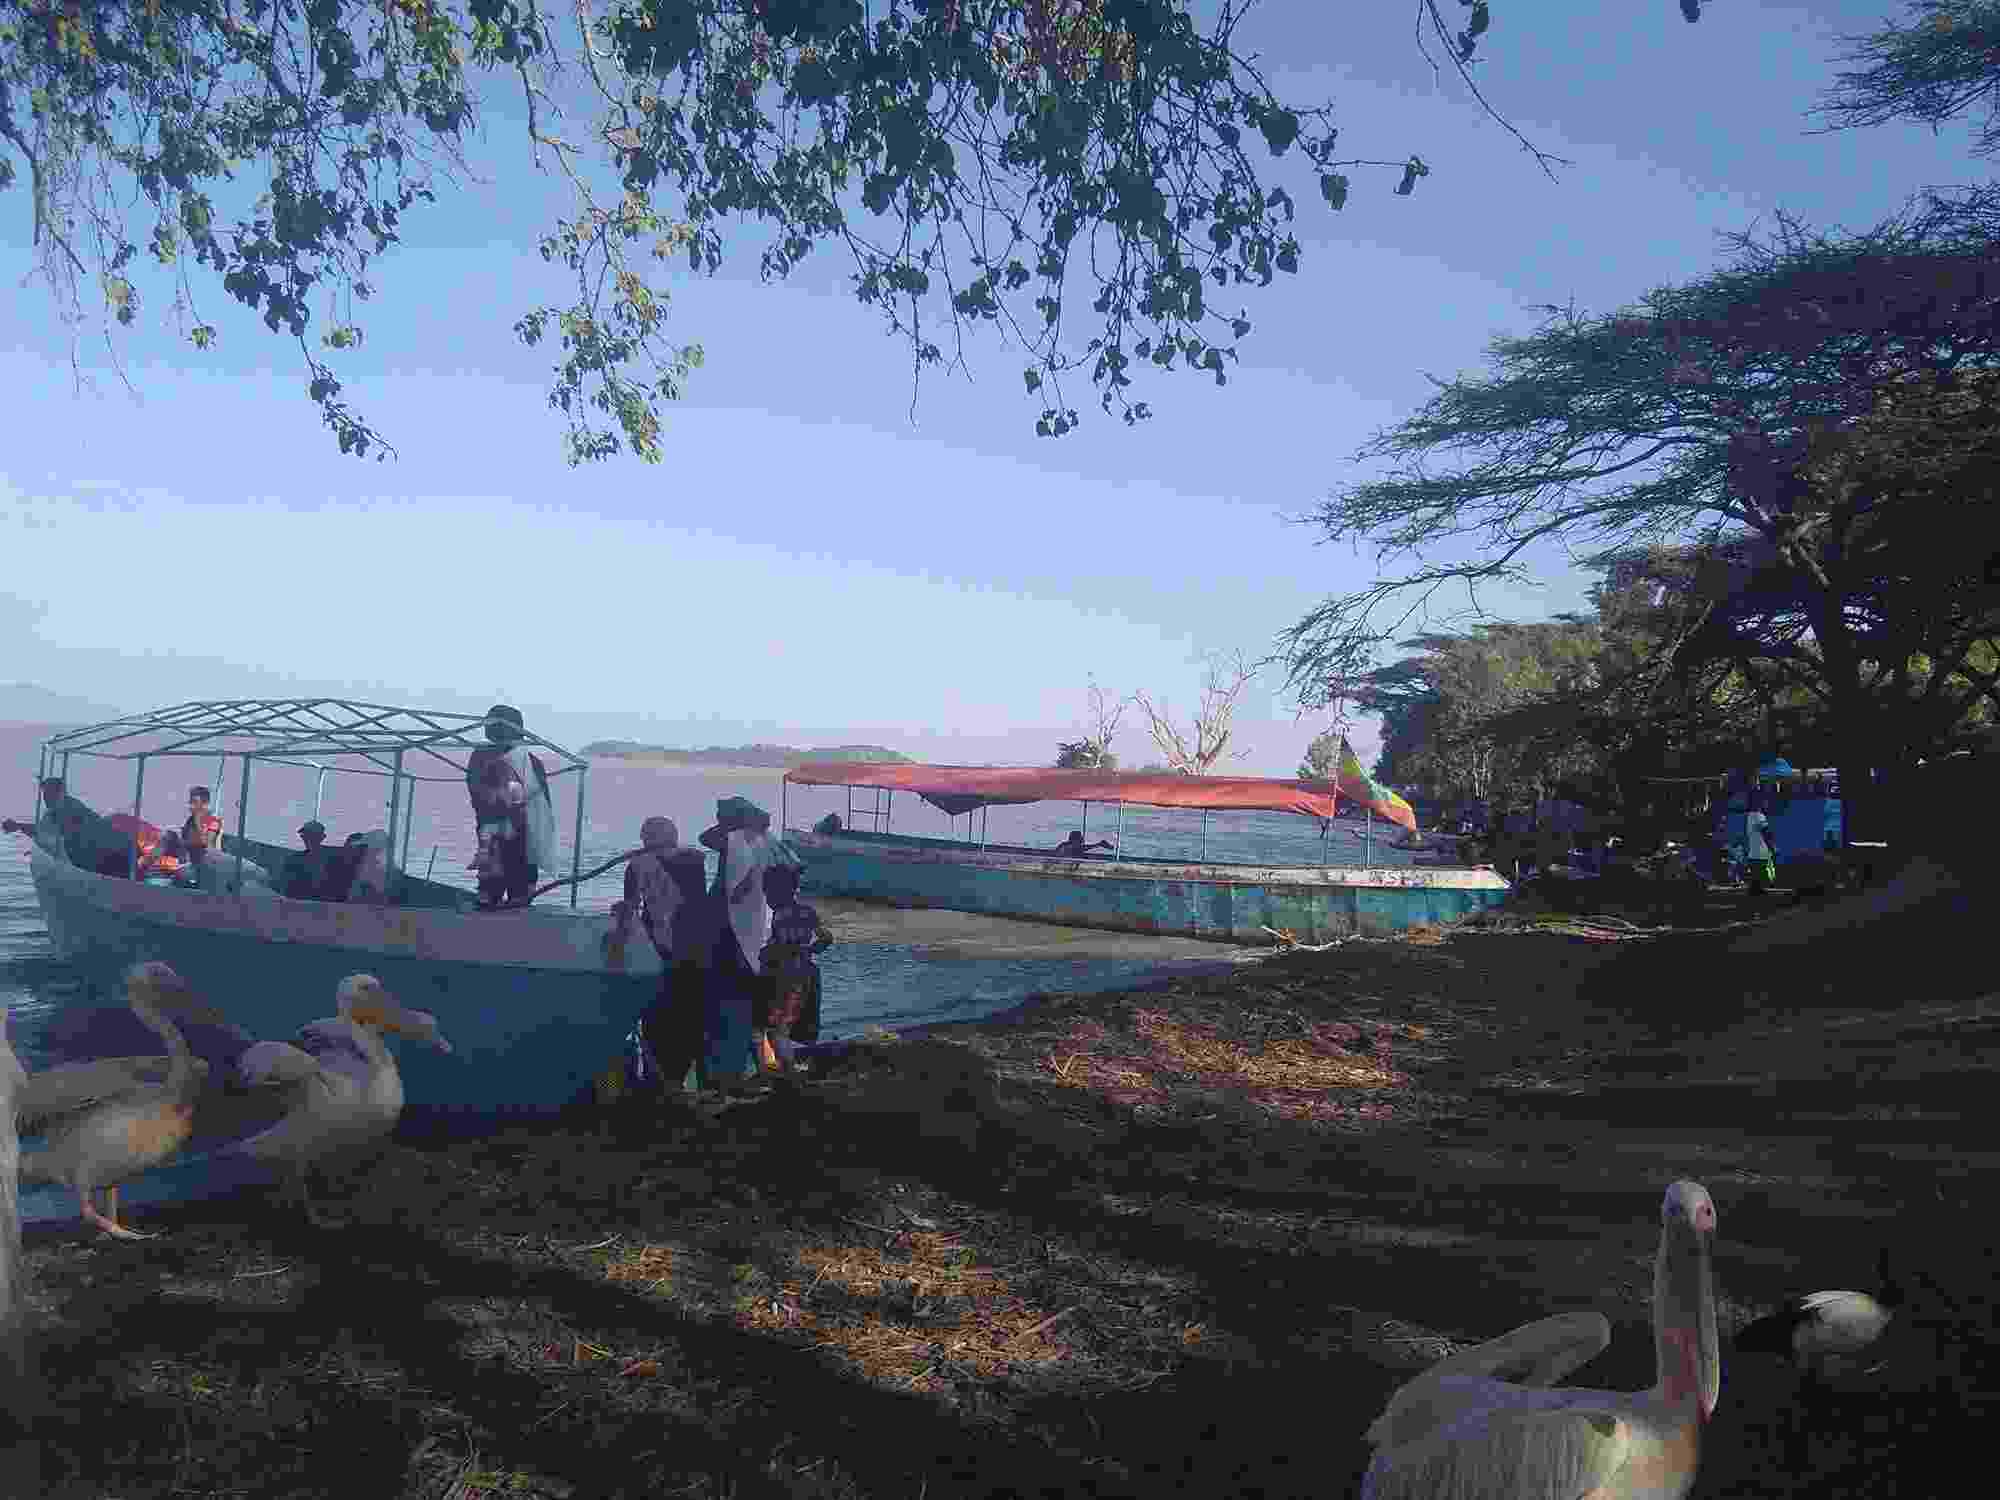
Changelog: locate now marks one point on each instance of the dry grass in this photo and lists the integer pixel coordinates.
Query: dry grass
(1160, 1055)
(1102, 1250)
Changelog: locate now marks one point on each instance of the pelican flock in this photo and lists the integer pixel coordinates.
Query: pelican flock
(338, 1086)
(110, 1120)
(335, 1087)
(1490, 1424)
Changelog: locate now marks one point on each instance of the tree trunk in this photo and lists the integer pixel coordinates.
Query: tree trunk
(1857, 797)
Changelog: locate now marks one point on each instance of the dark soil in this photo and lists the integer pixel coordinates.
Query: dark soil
(1183, 1241)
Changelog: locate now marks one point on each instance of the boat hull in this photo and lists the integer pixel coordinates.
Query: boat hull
(526, 999)
(1222, 903)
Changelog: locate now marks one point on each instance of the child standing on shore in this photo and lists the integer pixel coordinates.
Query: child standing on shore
(790, 998)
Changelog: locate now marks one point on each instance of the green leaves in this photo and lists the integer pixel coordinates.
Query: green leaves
(1280, 127)
(1028, 165)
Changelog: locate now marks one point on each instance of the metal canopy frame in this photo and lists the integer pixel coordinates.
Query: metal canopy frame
(302, 732)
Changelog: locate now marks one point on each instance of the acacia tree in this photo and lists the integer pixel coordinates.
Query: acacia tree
(1942, 61)
(1651, 713)
(1715, 413)
(979, 161)
(1207, 740)
(1439, 705)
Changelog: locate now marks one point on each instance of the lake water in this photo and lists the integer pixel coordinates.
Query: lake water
(889, 968)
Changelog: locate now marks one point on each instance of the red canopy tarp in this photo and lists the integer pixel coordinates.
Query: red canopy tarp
(957, 789)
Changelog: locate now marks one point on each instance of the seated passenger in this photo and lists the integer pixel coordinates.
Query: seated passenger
(309, 871)
(828, 824)
(202, 832)
(371, 869)
(343, 865)
(70, 830)
(1076, 848)
(165, 860)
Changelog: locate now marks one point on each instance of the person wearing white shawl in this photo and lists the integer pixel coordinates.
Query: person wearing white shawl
(515, 811)
(742, 836)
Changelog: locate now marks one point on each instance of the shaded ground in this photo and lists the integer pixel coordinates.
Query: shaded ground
(1179, 1241)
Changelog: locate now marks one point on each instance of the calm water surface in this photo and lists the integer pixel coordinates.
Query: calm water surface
(888, 967)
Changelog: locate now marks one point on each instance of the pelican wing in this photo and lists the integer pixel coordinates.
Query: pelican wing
(1508, 1453)
(275, 1065)
(74, 1087)
(334, 1047)
(1534, 1355)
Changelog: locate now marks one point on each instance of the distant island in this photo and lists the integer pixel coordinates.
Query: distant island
(776, 757)
(30, 703)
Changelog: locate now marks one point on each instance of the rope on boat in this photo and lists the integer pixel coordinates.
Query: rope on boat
(542, 890)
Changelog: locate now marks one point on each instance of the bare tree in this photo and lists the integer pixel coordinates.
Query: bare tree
(1221, 685)
(1093, 752)
(1105, 714)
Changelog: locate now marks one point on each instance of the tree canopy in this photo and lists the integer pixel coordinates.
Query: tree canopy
(979, 161)
(1438, 705)
(1943, 60)
(1824, 404)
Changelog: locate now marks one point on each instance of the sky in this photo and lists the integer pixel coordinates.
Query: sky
(817, 562)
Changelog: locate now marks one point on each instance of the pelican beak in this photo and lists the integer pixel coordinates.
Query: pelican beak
(418, 1025)
(1708, 1343)
(1686, 1286)
(1691, 1286)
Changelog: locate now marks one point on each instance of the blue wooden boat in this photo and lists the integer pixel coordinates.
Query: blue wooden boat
(533, 1003)
(1233, 903)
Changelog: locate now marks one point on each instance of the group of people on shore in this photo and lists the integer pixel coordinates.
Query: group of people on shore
(739, 990)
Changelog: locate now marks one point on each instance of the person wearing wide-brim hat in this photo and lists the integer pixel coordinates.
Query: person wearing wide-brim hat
(513, 810)
(741, 836)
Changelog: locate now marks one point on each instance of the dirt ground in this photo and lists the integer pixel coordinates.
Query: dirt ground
(1178, 1241)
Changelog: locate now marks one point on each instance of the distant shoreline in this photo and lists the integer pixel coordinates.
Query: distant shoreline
(740, 757)
(662, 763)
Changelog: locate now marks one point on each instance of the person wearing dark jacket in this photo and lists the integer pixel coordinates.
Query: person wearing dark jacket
(71, 830)
(309, 872)
(665, 895)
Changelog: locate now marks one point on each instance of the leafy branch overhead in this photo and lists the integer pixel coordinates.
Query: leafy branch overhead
(979, 161)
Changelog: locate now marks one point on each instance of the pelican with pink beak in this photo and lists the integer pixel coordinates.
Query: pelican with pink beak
(1491, 1424)
(338, 1085)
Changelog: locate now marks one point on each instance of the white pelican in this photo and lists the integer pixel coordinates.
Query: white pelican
(112, 1119)
(1489, 1423)
(338, 1085)
(1828, 1334)
(13, 1302)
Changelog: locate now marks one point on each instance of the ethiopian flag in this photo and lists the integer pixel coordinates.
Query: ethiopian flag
(1358, 786)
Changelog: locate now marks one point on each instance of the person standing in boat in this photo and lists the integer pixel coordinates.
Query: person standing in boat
(664, 895)
(513, 809)
(202, 832)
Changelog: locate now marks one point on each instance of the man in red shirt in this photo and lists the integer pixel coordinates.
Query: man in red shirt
(202, 832)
